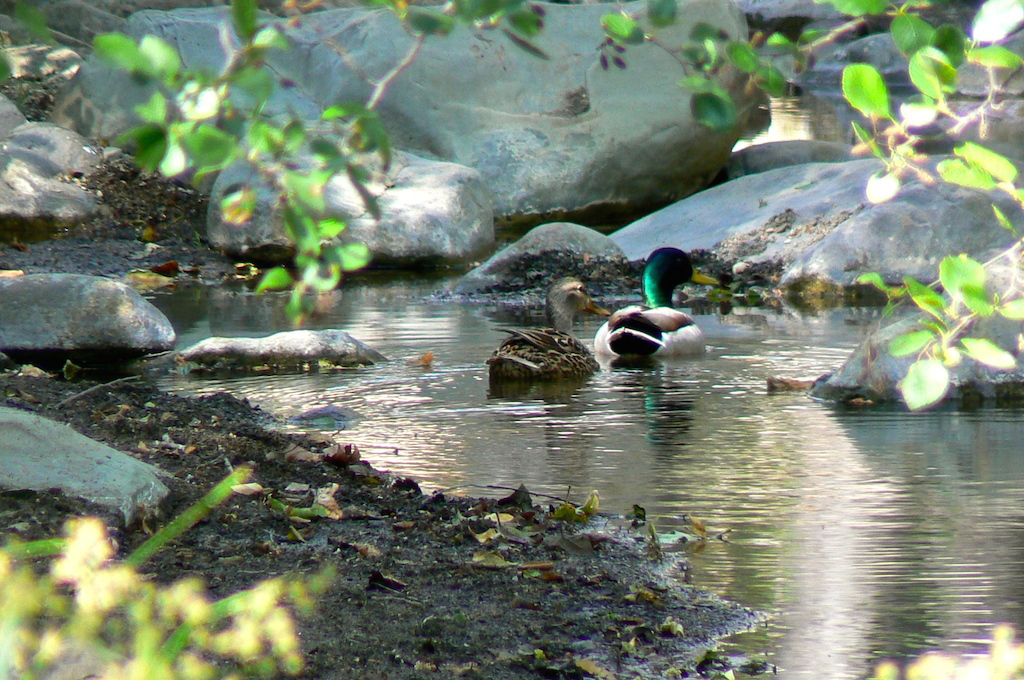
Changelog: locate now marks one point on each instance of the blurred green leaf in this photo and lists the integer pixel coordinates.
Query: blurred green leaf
(771, 80)
(925, 298)
(1003, 220)
(958, 271)
(873, 279)
(987, 352)
(865, 89)
(175, 160)
(910, 33)
(697, 84)
(154, 110)
(527, 23)
(910, 343)
(244, 14)
(995, 56)
(119, 50)
(978, 300)
(955, 171)
(1014, 309)
(931, 72)
(703, 30)
(991, 162)
(210, 147)
(5, 68)
(622, 28)
(882, 187)
(714, 110)
(269, 36)
(354, 256)
(331, 227)
(856, 8)
(997, 19)
(277, 278)
(428, 22)
(161, 59)
(951, 41)
(925, 384)
(33, 19)
(150, 143)
(742, 56)
(257, 83)
(661, 12)
(305, 190)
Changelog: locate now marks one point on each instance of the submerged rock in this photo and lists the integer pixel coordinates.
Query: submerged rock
(286, 351)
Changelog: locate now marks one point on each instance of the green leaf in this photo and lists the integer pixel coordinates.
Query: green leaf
(354, 256)
(865, 89)
(997, 19)
(931, 72)
(873, 279)
(771, 80)
(1013, 309)
(925, 298)
(33, 19)
(330, 227)
(987, 352)
(244, 14)
(661, 12)
(257, 83)
(991, 162)
(951, 41)
(1003, 220)
(154, 110)
(956, 272)
(910, 343)
(925, 384)
(703, 30)
(882, 187)
(527, 23)
(978, 300)
(955, 171)
(269, 36)
(161, 59)
(210, 147)
(856, 8)
(175, 160)
(742, 56)
(5, 68)
(698, 84)
(910, 33)
(622, 29)
(306, 191)
(277, 278)
(427, 22)
(714, 110)
(150, 143)
(995, 56)
(120, 50)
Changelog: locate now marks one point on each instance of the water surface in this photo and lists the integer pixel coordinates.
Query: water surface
(866, 534)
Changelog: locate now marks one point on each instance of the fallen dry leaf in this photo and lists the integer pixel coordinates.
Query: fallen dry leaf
(490, 560)
(296, 454)
(366, 550)
(325, 498)
(787, 385)
(343, 454)
(250, 489)
(486, 536)
(11, 273)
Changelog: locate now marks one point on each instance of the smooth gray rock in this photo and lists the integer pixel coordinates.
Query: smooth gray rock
(816, 221)
(872, 372)
(288, 350)
(574, 242)
(757, 158)
(10, 116)
(430, 212)
(38, 453)
(35, 199)
(88, 319)
(547, 135)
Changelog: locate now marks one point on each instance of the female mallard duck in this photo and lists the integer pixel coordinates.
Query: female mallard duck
(657, 329)
(549, 353)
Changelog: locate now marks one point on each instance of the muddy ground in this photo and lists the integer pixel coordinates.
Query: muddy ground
(417, 594)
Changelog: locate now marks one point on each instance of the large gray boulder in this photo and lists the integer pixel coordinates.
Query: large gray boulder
(90, 320)
(814, 219)
(430, 212)
(557, 135)
(40, 454)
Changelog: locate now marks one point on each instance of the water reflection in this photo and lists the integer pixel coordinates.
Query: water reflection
(866, 534)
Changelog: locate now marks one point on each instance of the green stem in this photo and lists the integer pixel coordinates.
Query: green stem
(189, 518)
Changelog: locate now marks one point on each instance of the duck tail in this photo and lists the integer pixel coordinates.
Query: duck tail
(633, 341)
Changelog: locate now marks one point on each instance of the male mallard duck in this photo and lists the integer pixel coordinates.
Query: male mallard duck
(549, 353)
(656, 329)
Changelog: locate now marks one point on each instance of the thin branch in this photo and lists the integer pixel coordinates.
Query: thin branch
(70, 399)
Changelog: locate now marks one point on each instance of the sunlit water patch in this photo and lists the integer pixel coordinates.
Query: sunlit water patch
(866, 534)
